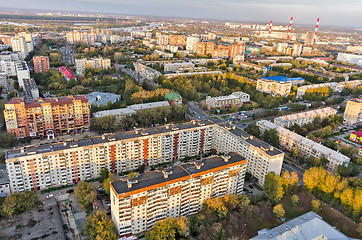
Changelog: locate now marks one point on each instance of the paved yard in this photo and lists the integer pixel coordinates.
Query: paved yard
(37, 224)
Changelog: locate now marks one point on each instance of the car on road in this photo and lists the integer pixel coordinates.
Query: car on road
(251, 186)
(293, 165)
(70, 191)
(50, 196)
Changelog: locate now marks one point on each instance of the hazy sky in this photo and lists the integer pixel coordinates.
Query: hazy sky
(331, 12)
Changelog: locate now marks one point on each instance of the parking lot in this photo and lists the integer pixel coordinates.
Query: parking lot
(38, 224)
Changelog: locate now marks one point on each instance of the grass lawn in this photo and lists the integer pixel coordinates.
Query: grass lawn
(247, 120)
(225, 116)
(215, 118)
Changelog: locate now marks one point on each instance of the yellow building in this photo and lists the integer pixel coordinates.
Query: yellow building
(356, 136)
(353, 112)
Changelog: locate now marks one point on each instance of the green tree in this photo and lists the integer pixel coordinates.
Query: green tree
(294, 200)
(107, 183)
(106, 123)
(273, 187)
(85, 194)
(99, 226)
(271, 136)
(17, 203)
(103, 173)
(253, 129)
(278, 211)
(315, 205)
(169, 228)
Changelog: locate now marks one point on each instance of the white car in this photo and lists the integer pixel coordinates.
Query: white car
(50, 196)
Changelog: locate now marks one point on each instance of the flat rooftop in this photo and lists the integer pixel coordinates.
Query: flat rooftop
(307, 114)
(283, 79)
(153, 178)
(52, 147)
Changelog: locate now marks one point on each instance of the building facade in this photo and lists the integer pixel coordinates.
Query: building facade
(82, 64)
(64, 163)
(304, 117)
(236, 99)
(41, 64)
(353, 112)
(305, 147)
(137, 204)
(46, 117)
(145, 71)
(274, 87)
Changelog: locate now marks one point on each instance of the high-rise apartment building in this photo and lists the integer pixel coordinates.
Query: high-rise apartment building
(191, 43)
(81, 36)
(236, 50)
(19, 44)
(67, 162)
(309, 39)
(46, 117)
(41, 64)
(63, 163)
(297, 49)
(82, 64)
(220, 51)
(138, 203)
(305, 147)
(205, 48)
(177, 40)
(353, 111)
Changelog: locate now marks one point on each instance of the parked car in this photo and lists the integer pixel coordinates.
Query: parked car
(251, 186)
(65, 226)
(70, 191)
(50, 196)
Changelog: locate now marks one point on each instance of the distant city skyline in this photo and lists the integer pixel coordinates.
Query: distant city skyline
(305, 12)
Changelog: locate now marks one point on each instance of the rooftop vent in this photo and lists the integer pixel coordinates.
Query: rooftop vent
(166, 172)
(226, 158)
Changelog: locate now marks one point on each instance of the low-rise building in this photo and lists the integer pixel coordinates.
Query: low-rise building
(356, 136)
(4, 182)
(274, 87)
(304, 117)
(306, 147)
(186, 74)
(68, 75)
(174, 67)
(102, 98)
(129, 110)
(173, 98)
(145, 71)
(353, 112)
(307, 226)
(335, 86)
(138, 203)
(236, 99)
(101, 63)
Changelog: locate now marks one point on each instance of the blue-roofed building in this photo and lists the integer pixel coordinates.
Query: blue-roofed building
(102, 98)
(294, 81)
(307, 226)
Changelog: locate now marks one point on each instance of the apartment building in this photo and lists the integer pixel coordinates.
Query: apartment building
(220, 51)
(137, 204)
(353, 112)
(236, 50)
(22, 72)
(174, 67)
(304, 117)
(78, 36)
(19, 44)
(30, 90)
(82, 64)
(236, 99)
(204, 48)
(145, 71)
(262, 158)
(177, 40)
(11, 56)
(63, 163)
(46, 117)
(191, 43)
(274, 87)
(252, 66)
(41, 64)
(335, 86)
(305, 146)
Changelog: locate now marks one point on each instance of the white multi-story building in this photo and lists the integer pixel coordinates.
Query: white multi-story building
(305, 146)
(82, 64)
(261, 157)
(353, 112)
(19, 44)
(274, 87)
(350, 58)
(137, 204)
(11, 56)
(191, 43)
(145, 71)
(22, 72)
(174, 67)
(57, 164)
(335, 86)
(304, 117)
(234, 99)
(8, 67)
